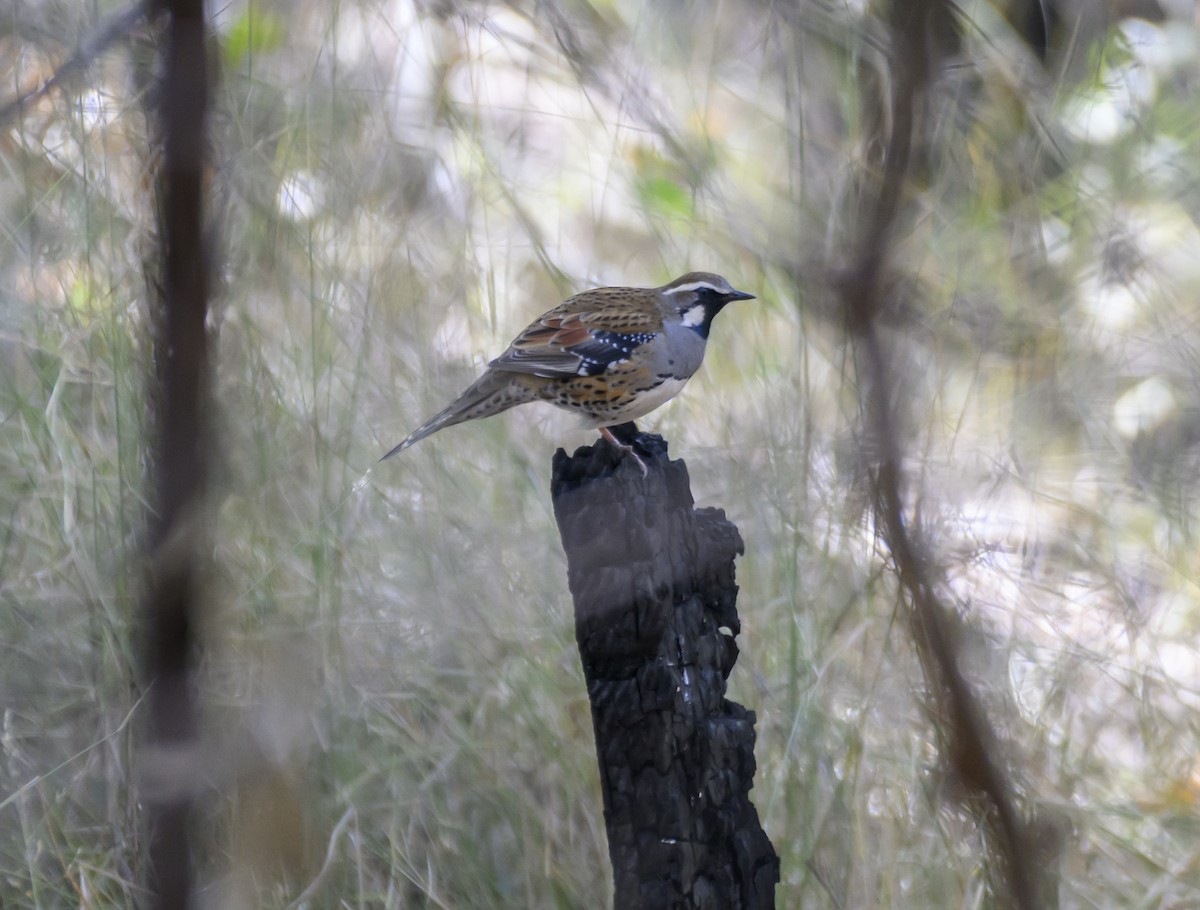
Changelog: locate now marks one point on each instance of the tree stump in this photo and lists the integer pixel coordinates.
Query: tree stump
(653, 583)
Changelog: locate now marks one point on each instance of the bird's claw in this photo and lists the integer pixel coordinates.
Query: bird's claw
(625, 448)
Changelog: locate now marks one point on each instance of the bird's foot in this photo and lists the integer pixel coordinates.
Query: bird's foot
(630, 432)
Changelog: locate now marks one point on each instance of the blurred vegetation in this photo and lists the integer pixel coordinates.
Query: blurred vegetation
(396, 712)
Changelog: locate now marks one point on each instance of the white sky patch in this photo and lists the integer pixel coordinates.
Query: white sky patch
(350, 46)
(1056, 238)
(1151, 45)
(453, 337)
(1144, 407)
(1096, 119)
(95, 108)
(300, 196)
(1113, 304)
(1166, 234)
(1102, 115)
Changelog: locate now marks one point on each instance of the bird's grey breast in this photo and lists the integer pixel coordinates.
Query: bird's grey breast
(682, 352)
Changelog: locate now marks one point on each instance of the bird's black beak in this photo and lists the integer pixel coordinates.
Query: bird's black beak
(739, 295)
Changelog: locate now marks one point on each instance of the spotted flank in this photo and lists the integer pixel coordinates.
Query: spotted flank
(621, 408)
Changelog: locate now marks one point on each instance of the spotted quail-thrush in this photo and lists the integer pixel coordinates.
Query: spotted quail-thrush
(611, 354)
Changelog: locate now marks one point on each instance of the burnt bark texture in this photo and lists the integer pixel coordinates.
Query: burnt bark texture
(652, 579)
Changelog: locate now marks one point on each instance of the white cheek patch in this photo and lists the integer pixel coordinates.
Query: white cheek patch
(694, 315)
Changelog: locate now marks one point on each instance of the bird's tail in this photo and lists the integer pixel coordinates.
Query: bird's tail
(490, 394)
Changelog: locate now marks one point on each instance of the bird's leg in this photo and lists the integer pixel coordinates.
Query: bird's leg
(625, 447)
(626, 433)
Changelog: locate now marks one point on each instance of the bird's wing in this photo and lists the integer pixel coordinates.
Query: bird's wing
(581, 337)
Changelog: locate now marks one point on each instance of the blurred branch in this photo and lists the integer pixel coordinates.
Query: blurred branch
(590, 57)
(92, 47)
(923, 32)
(172, 759)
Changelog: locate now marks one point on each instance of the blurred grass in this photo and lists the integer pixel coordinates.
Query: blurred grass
(397, 717)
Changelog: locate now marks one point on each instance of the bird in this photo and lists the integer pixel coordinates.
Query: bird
(611, 354)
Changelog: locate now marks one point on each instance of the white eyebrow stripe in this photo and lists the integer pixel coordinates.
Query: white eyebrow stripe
(694, 286)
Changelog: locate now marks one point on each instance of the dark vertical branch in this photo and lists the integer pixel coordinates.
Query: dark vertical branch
(655, 618)
(171, 757)
(921, 32)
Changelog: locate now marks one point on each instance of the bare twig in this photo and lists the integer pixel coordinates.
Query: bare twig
(917, 28)
(318, 880)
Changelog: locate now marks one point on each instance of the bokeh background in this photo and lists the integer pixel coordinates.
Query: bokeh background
(394, 707)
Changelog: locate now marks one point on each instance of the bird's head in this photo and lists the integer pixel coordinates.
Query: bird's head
(697, 297)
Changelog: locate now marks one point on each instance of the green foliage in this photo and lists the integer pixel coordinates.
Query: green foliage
(255, 31)
(664, 196)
